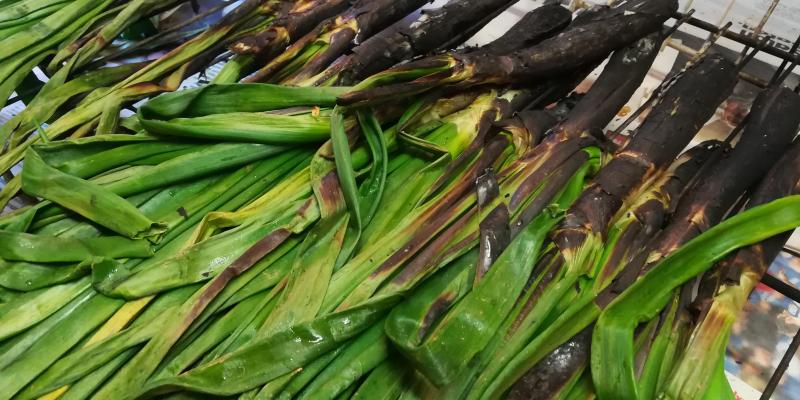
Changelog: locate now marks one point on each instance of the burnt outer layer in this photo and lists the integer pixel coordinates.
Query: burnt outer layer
(370, 17)
(552, 375)
(772, 125)
(782, 180)
(569, 359)
(527, 127)
(576, 46)
(621, 77)
(456, 21)
(685, 171)
(669, 127)
(535, 26)
(288, 28)
(652, 213)
(494, 232)
(550, 91)
(375, 15)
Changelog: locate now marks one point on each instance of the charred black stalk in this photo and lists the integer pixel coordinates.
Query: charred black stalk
(554, 374)
(556, 371)
(614, 88)
(338, 35)
(494, 231)
(579, 238)
(623, 74)
(704, 205)
(782, 180)
(730, 285)
(583, 44)
(301, 19)
(553, 90)
(669, 127)
(454, 22)
(772, 126)
(535, 26)
(575, 47)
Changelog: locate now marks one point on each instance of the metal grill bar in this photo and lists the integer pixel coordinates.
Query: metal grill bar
(782, 367)
(743, 39)
(794, 294)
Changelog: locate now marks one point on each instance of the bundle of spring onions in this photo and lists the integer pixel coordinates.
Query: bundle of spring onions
(434, 231)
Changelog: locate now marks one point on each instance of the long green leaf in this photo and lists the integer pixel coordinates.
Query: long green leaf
(55, 343)
(37, 248)
(232, 98)
(246, 127)
(268, 358)
(612, 342)
(32, 307)
(87, 199)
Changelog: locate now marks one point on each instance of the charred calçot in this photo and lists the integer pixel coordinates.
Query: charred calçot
(576, 46)
(340, 34)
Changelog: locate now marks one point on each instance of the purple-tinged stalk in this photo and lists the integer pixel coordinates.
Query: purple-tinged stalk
(554, 375)
(573, 48)
(581, 236)
(446, 26)
(301, 19)
(531, 182)
(313, 52)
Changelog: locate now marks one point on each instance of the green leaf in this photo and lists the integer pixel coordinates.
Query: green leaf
(56, 342)
(234, 98)
(311, 271)
(87, 199)
(612, 343)
(271, 357)
(371, 191)
(32, 307)
(37, 248)
(359, 357)
(24, 277)
(246, 127)
(344, 165)
(204, 260)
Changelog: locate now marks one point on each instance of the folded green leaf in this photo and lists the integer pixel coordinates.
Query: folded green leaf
(36, 248)
(254, 127)
(87, 199)
(231, 98)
